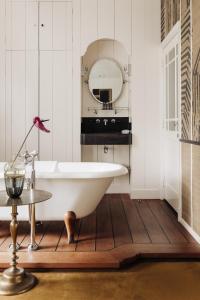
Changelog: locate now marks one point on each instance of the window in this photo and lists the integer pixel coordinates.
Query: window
(171, 81)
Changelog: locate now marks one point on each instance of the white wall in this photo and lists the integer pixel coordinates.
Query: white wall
(48, 81)
(146, 62)
(37, 77)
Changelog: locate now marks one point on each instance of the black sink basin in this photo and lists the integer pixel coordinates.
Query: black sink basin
(105, 131)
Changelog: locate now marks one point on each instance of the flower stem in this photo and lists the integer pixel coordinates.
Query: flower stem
(23, 144)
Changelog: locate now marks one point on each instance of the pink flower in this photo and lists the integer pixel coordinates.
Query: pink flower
(39, 124)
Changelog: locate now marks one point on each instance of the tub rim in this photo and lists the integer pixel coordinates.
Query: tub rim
(118, 170)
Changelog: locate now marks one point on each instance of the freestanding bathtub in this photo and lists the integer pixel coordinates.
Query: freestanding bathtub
(77, 189)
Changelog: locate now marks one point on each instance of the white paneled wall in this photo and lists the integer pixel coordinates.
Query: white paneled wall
(20, 74)
(106, 19)
(55, 59)
(40, 73)
(146, 94)
(123, 17)
(36, 76)
(2, 81)
(109, 19)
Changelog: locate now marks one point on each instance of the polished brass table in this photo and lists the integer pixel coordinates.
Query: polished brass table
(15, 280)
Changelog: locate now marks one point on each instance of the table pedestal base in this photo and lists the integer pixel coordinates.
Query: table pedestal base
(33, 247)
(16, 281)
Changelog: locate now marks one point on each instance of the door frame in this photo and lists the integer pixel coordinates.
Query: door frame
(173, 37)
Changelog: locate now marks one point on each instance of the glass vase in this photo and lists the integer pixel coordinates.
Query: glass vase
(14, 175)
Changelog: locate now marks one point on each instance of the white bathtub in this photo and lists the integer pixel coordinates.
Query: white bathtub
(76, 187)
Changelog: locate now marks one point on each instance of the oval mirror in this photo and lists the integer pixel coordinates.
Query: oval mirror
(105, 80)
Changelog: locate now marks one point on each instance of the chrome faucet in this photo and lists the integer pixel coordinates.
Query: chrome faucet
(105, 121)
(29, 158)
(98, 121)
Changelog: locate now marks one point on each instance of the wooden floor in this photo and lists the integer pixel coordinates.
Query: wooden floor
(118, 232)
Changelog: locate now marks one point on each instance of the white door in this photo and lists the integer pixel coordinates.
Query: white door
(171, 121)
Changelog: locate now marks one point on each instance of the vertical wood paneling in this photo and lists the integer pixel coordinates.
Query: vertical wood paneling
(123, 23)
(52, 0)
(138, 92)
(76, 125)
(151, 77)
(22, 70)
(56, 79)
(62, 26)
(18, 99)
(89, 153)
(2, 106)
(32, 25)
(106, 19)
(21, 74)
(8, 105)
(16, 17)
(8, 25)
(103, 156)
(62, 106)
(31, 97)
(121, 156)
(2, 24)
(2, 80)
(45, 25)
(89, 23)
(46, 102)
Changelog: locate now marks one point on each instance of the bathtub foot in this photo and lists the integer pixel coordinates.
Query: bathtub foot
(70, 222)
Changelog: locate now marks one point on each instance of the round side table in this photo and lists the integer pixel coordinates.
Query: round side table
(15, 280)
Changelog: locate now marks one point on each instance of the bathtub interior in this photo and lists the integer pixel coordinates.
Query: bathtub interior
(90, 169)
(42, 167)
(89, 166)
(54, 169)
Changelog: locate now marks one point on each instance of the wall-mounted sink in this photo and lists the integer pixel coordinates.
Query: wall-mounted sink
(106, 131)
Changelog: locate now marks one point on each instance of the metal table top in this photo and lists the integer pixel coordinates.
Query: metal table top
(27, 197)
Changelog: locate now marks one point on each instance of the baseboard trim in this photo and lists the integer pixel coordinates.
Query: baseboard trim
(118, 189)
(145, 194)
(190, 230)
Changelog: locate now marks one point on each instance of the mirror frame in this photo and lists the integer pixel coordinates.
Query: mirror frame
(122, 74)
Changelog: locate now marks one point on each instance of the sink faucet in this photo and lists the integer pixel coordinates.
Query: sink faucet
(29, 158)
(98, 121)
(105, 121)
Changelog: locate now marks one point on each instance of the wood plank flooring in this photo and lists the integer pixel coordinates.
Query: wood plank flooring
(118, 232)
